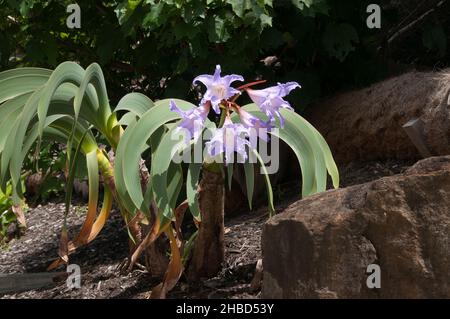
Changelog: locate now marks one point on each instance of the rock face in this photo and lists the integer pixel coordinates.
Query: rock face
(321, 246)
(366, 124)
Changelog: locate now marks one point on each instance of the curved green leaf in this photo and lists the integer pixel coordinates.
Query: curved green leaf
(268, 183)
(134, 102)
(249, 181)
(192, 179)
(25, 71)
(65, 72)
(229, 175)
(133, 143)
(19, 85)
(312, 152)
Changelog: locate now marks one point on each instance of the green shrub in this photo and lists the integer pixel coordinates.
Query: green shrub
(7, 216)
(158, 46)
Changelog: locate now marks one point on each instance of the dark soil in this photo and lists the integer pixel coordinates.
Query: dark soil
(98, 261)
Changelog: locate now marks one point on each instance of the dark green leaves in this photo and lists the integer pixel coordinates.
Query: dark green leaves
(339, 40)
(435, 39)
(217, 29)
(140, 42)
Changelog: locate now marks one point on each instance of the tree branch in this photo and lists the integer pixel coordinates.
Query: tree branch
(412, 24)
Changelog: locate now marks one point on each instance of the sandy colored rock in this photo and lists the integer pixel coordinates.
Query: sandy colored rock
(320, 247)
(367, 124)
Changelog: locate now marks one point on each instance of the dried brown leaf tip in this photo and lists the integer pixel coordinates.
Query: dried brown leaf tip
(63, 251)
(18, 211)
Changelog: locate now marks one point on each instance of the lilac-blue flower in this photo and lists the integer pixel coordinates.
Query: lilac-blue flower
(270, 100)
(255, 125)
(229, 139)
(192, 120)
(217, 87)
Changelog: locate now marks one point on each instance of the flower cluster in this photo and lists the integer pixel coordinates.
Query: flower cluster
(232, 137)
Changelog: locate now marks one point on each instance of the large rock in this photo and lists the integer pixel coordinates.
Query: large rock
(366, 124)
(320, 247)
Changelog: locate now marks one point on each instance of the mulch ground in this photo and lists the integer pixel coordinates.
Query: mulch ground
(99, 260)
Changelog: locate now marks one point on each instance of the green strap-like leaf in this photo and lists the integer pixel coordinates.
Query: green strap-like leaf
(13, 146)
(33, 134)
(229, 175)
(24, 71)
(175, 178)
(136, 103)
(65, 72)
(193, 175)
(249, 181)
(161, 162)
(325, 149)
(13, 104)
(268, 183)
(128, 154)
(93, 178)
(94, 76)
(18, 85)
(6, 126)
(298, 144)
(128, 119)
(312, 152)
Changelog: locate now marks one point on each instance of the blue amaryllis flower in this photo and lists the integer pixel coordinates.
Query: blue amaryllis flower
(192, 120)
(270, 100)
(218, 88)
(228, 139)
(255, 125)
(233, 137)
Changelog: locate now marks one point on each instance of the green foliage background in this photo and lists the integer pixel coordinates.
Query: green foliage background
(158, 46)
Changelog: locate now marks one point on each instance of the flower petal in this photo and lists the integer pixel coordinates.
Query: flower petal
(174, 108)
(206, 79)
(232, 77)
(217, 72)
(257, 96)
(217, 87)
(286, 88)
(215, 101)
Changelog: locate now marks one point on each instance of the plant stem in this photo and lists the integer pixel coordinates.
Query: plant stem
(223, 115)
(209, 248)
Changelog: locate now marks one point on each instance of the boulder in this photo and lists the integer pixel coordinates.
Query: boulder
(366, 124)
(321, 246)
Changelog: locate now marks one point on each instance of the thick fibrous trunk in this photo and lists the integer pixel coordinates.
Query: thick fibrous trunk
(154, 256)
(367, 124)
(209, 250)
(156, 259)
